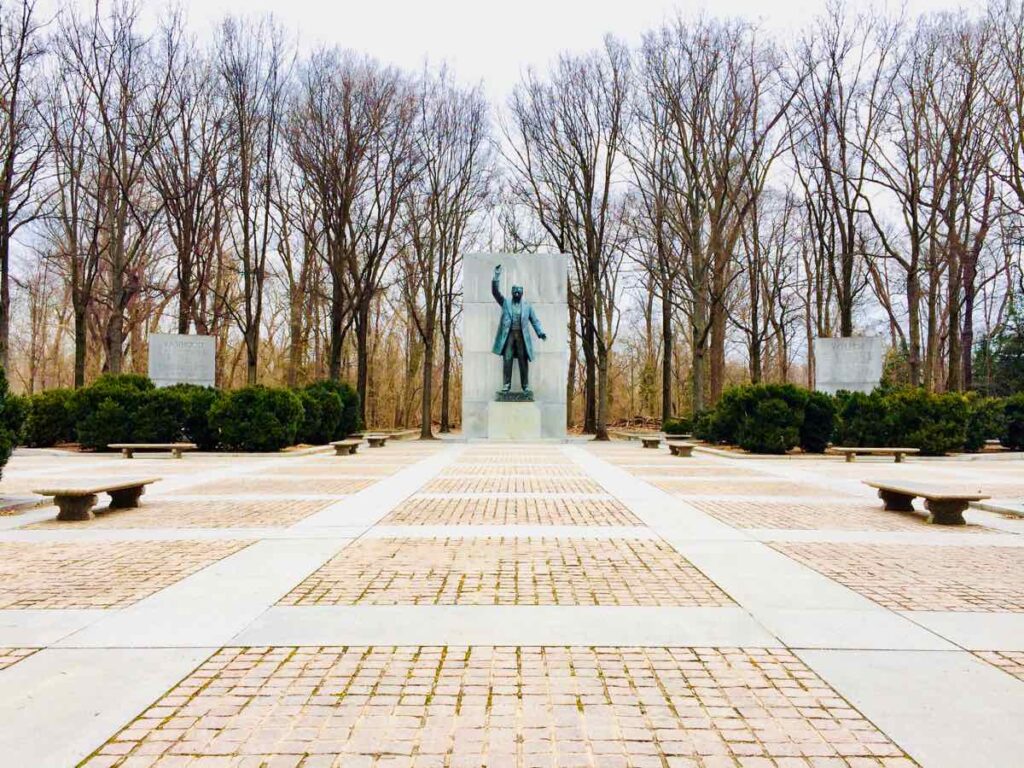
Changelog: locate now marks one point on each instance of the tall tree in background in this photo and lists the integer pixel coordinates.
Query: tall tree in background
(23, 139)
(252, 66)
(451, 185)
(566, 135)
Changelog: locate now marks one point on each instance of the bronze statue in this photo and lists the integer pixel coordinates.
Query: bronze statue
(514, 340)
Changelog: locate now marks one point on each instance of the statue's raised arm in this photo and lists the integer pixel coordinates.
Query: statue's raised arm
(495, 290)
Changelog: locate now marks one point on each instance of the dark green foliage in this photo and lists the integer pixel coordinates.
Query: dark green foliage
(727, 416)
(257, 418)
(7, 419)
(985, 421)
(677, 425)
(197, 404)
(703, 426)
(772, 415)
(349, 421)
(1013, 415)
(819, 422)
(14, 415)
(106, 410)
(933, 423)
(861, 419)
(49, 420)
(999, 357)
(160, 417)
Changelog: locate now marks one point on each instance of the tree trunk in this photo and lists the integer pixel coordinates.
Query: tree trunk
(446, 372)
(666, 353)
(337, 325)
(426, 406)
(362, 356)
(80, 345)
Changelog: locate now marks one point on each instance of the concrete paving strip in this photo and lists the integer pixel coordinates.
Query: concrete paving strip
(936, 536)
(974, 630)
(58, 705)
(39, 628)
(73, 534)
(662, 511)
(368, 506)
(511, 531)
(506, 625)
(210, 607)
(946, 709)
(802, 607)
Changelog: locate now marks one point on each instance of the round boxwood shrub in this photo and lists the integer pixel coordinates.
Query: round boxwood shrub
(257, 418)
(159, 417)
(933, 423)
(49, 420)
(197, 403)
(349, 421)
(8, 417)
(819, 422)
(1013, 422)
(105, 411)
(773, 415)
(985, 421)
(861, 419)
(15, 413)
(677, 425)
(322, 411)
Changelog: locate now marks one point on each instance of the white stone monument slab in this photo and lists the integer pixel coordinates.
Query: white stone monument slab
(853, 364)
(544, 279)
(182, 359)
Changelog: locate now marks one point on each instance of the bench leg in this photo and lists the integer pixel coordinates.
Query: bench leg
(946, 511)
(176, 453)
(126, 498)
(340, 450)
(75, 507)
(353, 450)
(896, 502)
(127, 453)
(850, 457)
(899, 458)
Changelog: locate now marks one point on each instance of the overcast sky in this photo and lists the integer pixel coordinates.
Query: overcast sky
(493, 41)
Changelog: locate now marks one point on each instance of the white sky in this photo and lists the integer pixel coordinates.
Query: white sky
(493, 41)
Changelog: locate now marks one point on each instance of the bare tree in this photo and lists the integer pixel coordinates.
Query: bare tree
(252, 66)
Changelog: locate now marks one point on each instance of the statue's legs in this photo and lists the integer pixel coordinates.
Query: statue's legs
(524, 366)
(506, 362)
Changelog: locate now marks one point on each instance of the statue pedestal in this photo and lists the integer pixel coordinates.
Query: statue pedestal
(513, 421)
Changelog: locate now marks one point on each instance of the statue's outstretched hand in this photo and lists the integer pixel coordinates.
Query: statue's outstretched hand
(497, 270)
(543, 336)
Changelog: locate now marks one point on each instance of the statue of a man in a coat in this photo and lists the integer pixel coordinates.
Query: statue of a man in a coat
(513, 340)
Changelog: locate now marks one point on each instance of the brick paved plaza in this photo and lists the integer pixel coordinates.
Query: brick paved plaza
(460, 605)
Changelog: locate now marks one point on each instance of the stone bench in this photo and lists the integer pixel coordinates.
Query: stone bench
(852, 453)
(681, 449)
(128, 449)
(76, 502)
(651, 442)
(377, 441)
(345, 447)
(945, 507)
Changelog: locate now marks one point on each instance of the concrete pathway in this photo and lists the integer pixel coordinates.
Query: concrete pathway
(445, 604)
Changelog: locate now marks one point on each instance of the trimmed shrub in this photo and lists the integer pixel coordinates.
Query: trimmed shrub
(257, 418)
(727, 415)
(986, 420)
(105, 411)
(773, 415)
(933, 423)
(677, 425)
(15, 413)
(8, 418)
(197, 402)
(819, 422)
(49, 420)
(703, 426)
(349, 421)
(1013, 422)
(159, 417)
(861, 419)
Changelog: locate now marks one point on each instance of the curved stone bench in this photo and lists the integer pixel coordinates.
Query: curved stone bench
(853, 452)
(681, 449)
(128, 449)
(345, 447)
